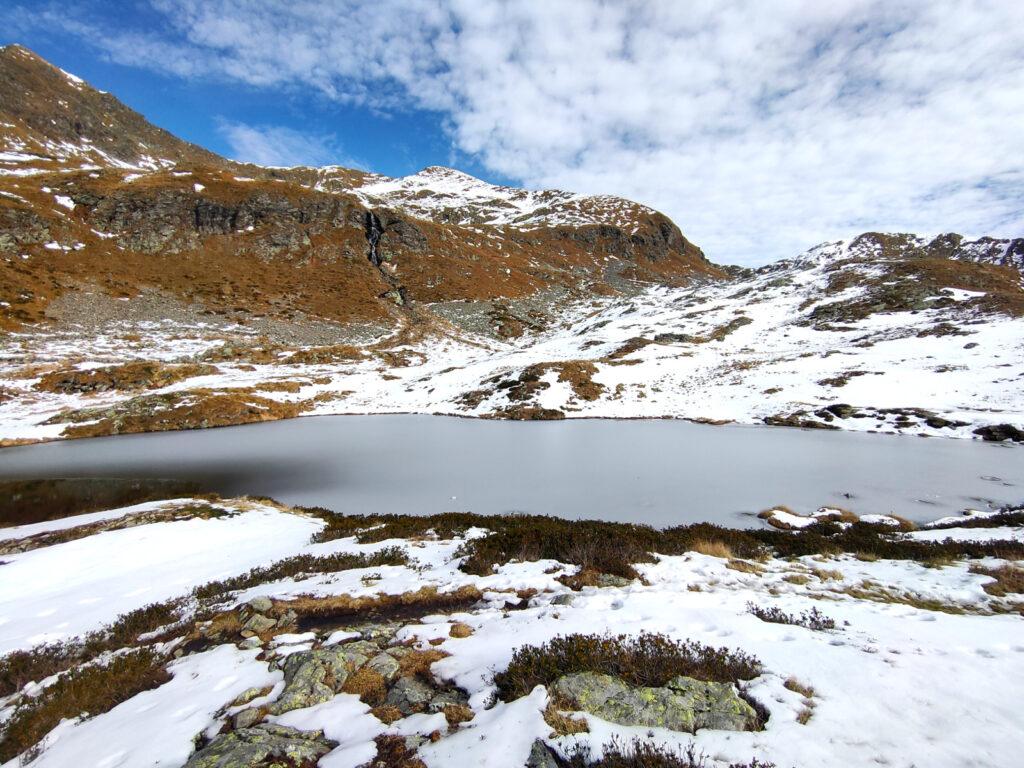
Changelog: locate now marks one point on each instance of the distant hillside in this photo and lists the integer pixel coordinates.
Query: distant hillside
(93, 197)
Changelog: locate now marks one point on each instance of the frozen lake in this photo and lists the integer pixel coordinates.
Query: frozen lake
(658, 472)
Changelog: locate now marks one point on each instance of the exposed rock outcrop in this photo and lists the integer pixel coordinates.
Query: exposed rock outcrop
(683, 704)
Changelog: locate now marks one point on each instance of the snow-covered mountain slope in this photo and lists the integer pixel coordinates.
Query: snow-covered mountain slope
(447, 195)
(831, 339)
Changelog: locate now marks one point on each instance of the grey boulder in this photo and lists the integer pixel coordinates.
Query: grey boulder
(260, 746)
(684, 704)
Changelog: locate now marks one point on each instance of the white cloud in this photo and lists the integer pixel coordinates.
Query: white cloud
(272, 145)
(761, 128)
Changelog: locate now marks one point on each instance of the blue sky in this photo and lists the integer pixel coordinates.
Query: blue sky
(761, 128)
(211, 111)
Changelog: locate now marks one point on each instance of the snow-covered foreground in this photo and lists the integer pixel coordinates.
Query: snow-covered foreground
(738, 351)
(924, 666)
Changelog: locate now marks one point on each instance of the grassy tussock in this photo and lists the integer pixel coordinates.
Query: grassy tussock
(869, 590)
(562, 724)
(302, 564)
(712, 548)
(807, 711)
(92, 689)
(368, 685)
(647, 659)
(418, 663)
(744, 566)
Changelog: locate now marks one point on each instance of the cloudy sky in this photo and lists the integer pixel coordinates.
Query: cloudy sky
(761, 128)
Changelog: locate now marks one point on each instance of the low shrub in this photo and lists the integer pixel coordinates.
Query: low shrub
(644, 754)
(812, 619)
(614, 548)
(316, 611)
(92, 689)
(22, 667)
(1009, 517)
(647, 659)
(301, 564)
(393, 752)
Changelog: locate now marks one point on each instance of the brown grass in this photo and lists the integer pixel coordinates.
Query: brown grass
(93, 689)
(645, 754)
(562, 724)
(368, 685)
(712, 548)
(418, 663)
(392, 752)
(744, 566)
(614, 548)
(191, 409)
(302, 564)
(423, 600)
(807, 711)
(387, 714)
(1009, 579)
(456, 714)
(796, 686)
(129, 376)
(826, 574)
(22, 667)
(460, 630)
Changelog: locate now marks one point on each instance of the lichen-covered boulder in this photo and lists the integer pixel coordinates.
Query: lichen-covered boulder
(684, 704)
(314, 677)
(262, 745)
(449, 698)
(386, 666)
(410, 695)
(540, 756)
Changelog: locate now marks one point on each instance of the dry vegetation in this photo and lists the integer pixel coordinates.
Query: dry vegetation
(614, 548)
(130, 376)
(95, 688)
(1009, 579)
(190, 409)
(645, 754)
(647, 659)
(22, 667)
(299, 565)
(812, 619)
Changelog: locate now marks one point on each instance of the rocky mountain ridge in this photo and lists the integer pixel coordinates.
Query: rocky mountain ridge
(92, 193)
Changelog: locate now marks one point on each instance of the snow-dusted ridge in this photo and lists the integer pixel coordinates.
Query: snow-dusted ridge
(451, 196)
(775, 343)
